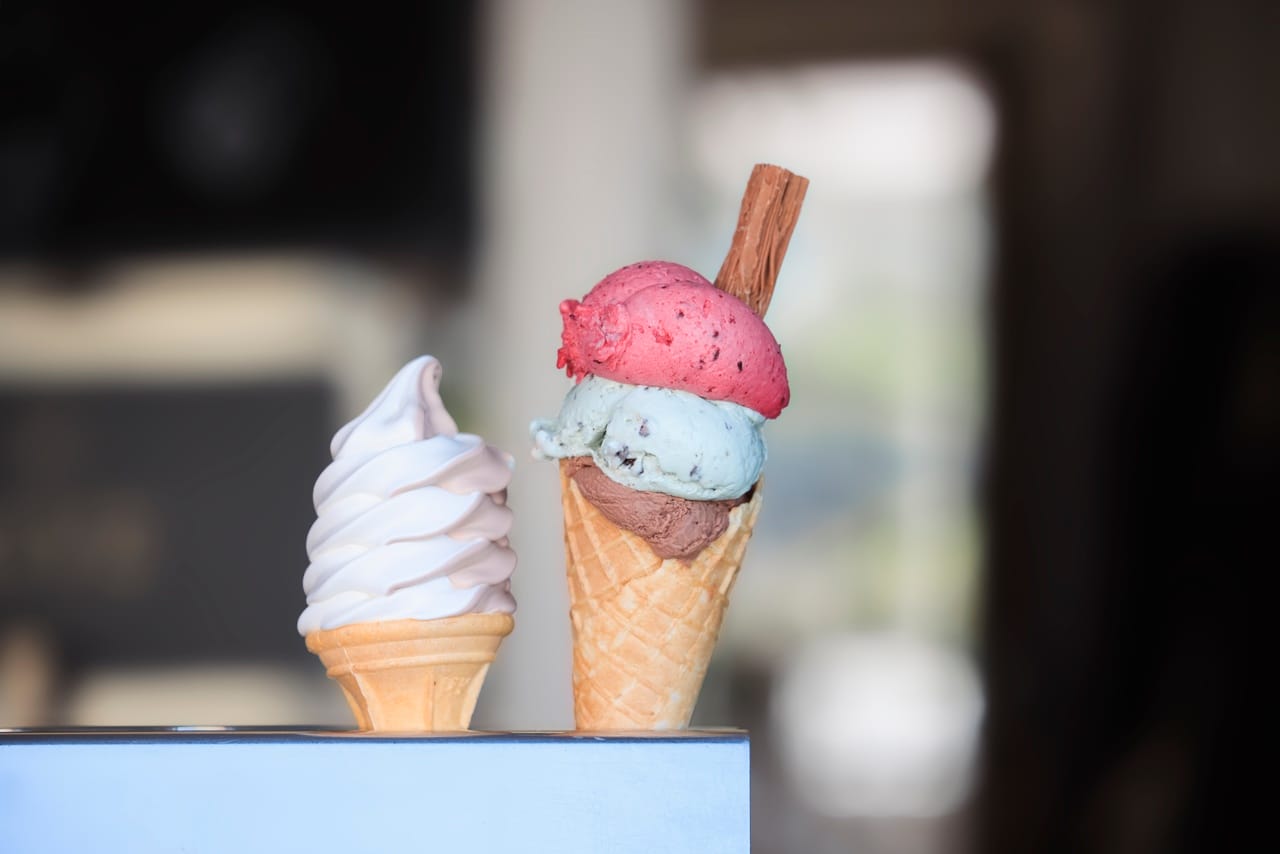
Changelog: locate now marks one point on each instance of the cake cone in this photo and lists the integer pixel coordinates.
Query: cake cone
(412, 675)
(644, 627)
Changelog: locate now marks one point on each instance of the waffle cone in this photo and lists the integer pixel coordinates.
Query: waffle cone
(412, 675)
(644, 627)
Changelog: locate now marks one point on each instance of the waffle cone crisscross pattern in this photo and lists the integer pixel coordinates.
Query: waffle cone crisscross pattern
(644, 628)
(412, 675)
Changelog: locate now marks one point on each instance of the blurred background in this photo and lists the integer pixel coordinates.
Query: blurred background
(1002, 599)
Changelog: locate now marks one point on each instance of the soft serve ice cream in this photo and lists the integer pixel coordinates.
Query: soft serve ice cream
(408, 591)
(412, 517)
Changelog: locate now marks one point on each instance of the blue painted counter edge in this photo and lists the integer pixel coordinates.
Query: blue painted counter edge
(324, 735)
(277, 790)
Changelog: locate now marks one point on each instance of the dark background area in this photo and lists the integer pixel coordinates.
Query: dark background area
(132, 515)
(1133, 449)
(1134, 445)
(240, 125)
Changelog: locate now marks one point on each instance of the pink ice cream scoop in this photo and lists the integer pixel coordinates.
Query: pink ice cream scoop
(661, 324)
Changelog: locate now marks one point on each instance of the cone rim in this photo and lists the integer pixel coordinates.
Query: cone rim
(359, 634)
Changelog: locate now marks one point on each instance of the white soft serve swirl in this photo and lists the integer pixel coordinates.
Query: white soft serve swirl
(412, 517)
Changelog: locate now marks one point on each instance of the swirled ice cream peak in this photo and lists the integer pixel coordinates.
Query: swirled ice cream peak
(408, 409)
(412, 519)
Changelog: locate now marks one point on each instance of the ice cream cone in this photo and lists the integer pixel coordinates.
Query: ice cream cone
(412, 675)
(644, 628)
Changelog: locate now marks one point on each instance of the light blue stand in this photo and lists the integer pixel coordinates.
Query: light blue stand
(282, 791)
